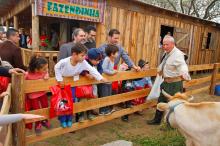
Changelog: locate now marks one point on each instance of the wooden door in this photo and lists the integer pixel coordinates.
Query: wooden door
(182, 38)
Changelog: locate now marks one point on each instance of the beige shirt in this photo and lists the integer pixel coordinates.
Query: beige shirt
(175, 65)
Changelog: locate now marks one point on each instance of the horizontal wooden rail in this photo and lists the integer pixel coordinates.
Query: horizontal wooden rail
(200, 67)
(198, 81)
(43, 85)
(195, 91)
(88, 123)
(95, 103)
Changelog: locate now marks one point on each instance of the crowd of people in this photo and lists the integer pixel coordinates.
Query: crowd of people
(82, 57)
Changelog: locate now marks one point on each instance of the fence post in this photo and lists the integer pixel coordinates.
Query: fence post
(18, 105)
(213, 80)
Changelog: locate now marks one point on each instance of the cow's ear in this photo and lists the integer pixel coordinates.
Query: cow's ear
(162, 106)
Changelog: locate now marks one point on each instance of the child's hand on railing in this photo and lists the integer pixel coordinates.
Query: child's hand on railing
(104, 80)
(16, 71)
(115, 72)
(89, 76)
(46, 77)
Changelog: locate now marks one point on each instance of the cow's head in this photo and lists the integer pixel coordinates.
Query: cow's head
(178, 97)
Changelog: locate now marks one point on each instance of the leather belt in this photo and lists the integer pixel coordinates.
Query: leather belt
(171, 80)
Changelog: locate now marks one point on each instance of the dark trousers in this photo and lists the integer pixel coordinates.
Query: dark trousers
(170, 88)
(103, 91)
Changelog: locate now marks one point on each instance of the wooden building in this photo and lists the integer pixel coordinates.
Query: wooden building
(141, 25)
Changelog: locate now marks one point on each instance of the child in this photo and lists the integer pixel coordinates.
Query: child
(105, 89)
(74, 65)
(141, 83)
(38, 69)
(94, 58)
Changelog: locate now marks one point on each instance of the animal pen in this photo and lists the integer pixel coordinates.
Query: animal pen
(141, 26)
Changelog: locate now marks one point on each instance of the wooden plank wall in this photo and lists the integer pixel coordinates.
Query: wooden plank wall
(140, 33)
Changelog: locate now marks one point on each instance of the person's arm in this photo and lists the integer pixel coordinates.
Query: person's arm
(18, 61)
(63, 52)
(182, 67)
(12, 118)
(92, 71)
(125, 57)
(4, 72)
(105, 67)
(58, 71)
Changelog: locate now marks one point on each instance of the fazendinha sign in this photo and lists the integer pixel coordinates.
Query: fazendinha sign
(82, 10)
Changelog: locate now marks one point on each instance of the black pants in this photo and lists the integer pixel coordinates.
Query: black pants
(170, 88)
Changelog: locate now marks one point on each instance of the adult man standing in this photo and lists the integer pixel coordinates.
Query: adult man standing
(9, 51)
(90, 37)
(113, 38)
(174, 70)
(23, 38)
(77, 36)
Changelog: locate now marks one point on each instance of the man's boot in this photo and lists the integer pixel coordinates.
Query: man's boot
(157, 118)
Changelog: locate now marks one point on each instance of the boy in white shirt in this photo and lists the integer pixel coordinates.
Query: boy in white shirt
(75, 64)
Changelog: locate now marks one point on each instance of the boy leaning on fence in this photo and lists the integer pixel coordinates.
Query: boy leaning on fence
(75, 64)
(94, 58)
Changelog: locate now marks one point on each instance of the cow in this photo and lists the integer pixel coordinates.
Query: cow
(199, 123)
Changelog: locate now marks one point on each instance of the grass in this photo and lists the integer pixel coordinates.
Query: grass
(168, 138)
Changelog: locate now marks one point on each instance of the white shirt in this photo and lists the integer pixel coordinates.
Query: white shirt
(175, 65)
(64, 68)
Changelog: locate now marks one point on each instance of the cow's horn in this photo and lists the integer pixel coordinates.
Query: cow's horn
(191, 98)
(166, 94)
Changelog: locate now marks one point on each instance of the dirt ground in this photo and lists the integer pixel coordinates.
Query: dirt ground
(135, 129)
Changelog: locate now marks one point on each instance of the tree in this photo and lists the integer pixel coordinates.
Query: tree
(204, 9)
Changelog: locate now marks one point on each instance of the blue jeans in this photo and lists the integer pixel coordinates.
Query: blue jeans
(65, 118)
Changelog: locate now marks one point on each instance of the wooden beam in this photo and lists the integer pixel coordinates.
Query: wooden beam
(35, 29)
(20, 6)
(201, 67)
(15, 22)
(195, 91)
(214, 78)
(18, 104)
(94, 103)
(89, 123)
(197, 81)
(43, 85)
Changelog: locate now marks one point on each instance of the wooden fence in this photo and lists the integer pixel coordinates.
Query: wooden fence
(6, 131)
(20, 87)
(51, 56)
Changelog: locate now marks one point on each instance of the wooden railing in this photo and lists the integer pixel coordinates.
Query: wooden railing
(51, 56)
(21, 86)
(6, 131)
